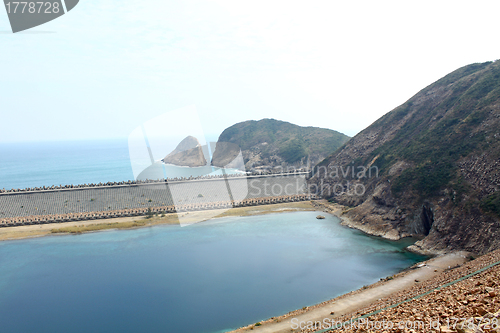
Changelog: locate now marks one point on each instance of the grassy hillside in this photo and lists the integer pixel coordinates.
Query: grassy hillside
(440, 150)
(435, 138)
(270, 142)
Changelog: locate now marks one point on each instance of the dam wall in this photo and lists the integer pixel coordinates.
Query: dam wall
(86, 203)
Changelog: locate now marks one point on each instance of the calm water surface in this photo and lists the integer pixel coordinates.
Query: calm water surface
(37, 164)
(206, 277)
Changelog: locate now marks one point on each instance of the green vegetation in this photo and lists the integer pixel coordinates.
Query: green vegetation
(426, 179)
(293, 151)
(434, 135)
(492, 203)
(289, 141)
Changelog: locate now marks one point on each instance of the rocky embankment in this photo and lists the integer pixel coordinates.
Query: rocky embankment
(342, 212)
(470, 305)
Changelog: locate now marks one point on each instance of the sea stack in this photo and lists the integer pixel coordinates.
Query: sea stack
(187, 153)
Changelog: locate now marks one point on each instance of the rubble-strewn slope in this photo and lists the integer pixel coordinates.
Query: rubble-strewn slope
(468, 306)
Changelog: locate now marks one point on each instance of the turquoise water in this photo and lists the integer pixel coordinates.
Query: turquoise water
(208, 277)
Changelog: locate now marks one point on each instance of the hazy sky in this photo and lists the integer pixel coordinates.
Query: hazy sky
(108, 66)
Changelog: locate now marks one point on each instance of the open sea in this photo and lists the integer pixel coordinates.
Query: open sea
(37, 164)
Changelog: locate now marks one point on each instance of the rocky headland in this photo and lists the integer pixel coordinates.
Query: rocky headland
(188, 153)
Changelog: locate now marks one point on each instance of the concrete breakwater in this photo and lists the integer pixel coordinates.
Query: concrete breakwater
(150, 181)
(80, 204)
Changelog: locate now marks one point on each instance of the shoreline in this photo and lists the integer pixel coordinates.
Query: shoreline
(392, 235)
(339, 210)
(429, 274)
(356, 301)
(41, 230)
(337, 307)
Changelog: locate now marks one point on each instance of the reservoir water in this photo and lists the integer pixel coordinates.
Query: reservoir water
(208, 277)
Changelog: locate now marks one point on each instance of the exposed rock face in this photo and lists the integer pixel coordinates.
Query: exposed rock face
(434, 163)
(187, 153)
(226, 156)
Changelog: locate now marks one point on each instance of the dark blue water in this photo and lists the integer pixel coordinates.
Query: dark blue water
(207, 277)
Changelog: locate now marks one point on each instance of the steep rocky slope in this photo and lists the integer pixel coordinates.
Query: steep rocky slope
(433, 166)
(271, 143)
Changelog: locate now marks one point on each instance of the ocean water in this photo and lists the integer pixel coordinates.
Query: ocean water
(37, 164)
(206, 278)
